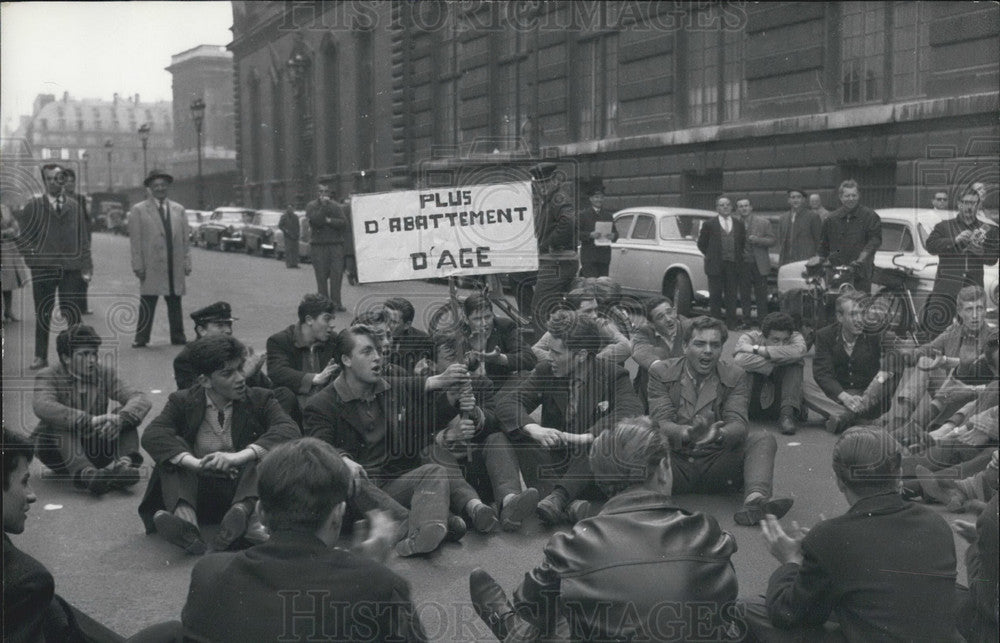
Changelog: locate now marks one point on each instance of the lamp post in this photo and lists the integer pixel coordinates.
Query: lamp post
(108, 145)
(144, 137)
(85, 157)
(198, 116)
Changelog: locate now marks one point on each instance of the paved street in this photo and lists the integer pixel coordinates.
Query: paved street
(105, 564)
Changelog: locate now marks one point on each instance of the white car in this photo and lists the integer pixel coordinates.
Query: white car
(904, 235)
(657, 254)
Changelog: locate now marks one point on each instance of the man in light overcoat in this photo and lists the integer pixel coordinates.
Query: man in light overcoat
(161, 256)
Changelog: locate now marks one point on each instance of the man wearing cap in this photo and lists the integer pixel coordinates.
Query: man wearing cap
(555, 230)
(161, 256)
(798, 230)
(217, 319)
(55, 243)
(594, 259)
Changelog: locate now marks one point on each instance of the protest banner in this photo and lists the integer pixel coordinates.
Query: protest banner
(444, 232)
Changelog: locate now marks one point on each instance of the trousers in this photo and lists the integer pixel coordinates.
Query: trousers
(748, 465)
(147, 311)
(46, 284)
(328, 264)
(73, 451)
(723, 289)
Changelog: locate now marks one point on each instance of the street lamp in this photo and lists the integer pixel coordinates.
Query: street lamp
(144, 137)
(108, 145)
(198, 116)
(86, 172)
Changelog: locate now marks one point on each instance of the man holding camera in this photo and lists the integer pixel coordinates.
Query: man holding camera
(851, 236)
(329, 230)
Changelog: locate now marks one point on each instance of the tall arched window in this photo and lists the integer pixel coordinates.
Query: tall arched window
(253, 170)
(331, 107)
(365, 88)
(277, 126)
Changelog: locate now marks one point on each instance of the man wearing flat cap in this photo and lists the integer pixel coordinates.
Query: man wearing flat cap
(217, 319)
(161, 256)
(594, 259)
(555, 231)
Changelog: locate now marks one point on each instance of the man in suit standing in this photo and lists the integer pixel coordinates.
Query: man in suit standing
(69, 189)
(721, 241)
(289, 226)
(328, 227)
(594, 260)
(799, 229)
(161, 256)
(756, 260)
(885, 570)
(55, 243)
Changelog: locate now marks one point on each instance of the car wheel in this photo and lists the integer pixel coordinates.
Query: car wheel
(681, 293)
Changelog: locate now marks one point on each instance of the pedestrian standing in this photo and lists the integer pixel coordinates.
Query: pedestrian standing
(799, 230)
(56, 246)
(161, 256)
(595, 260)
(721, 241)
(13, 271)
(289, 226)
(851, 235)
(756, 260)
(328, 227)
(816, 205)
(69, 189)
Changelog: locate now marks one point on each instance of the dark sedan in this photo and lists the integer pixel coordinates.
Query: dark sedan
(224, 229)
(258, 237)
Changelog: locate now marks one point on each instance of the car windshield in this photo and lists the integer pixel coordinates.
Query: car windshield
(896, 237)
(270, 219)
(228, 216)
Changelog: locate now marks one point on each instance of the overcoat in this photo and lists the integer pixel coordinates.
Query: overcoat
(149, 247)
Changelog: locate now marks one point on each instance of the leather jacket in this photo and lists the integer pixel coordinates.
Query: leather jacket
(642, 569)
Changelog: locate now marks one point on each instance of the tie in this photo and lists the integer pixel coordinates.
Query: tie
(163, 212)
(222, 419)
(59, 205)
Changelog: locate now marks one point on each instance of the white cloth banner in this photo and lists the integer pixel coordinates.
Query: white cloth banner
(446, 232)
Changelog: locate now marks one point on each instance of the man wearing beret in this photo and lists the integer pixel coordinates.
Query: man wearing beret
(161, 256)
(217, 319)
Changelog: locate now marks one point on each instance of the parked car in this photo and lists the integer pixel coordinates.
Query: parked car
(195, 218)
(109, 211)
(904, 235)
(656, 254)
(304, 236)
(258, 237)
(224, 228)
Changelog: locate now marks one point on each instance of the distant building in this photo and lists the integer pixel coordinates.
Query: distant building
(75, 132)
(672, 103)
(204, 72)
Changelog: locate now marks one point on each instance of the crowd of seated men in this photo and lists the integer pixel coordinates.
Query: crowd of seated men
(426, 436)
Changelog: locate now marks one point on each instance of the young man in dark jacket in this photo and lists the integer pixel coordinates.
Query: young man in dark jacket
(616, 572)
(328, 227)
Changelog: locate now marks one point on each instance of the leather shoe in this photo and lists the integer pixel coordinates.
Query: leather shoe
(552, 509)
(257, 533)
(837, 424)
(484, 518)
(490, 602)
(514, 511)
(456, 529)
(234, 524)
(97, 481)
(578, 510)
(139, 344)
(426, 540)
(178, 341)
(787, 424)
(751, 514)
(38, 363)
(180, 532)
(124, 474)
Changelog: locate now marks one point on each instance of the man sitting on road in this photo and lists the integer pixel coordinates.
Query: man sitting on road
(928, 367)
(300, 358)
(580, 394)
(884, 571)
(409, 344)
(217, 319)
(615, 345)
(32, 611)
(611, 577)
(207, 442)
(847, 380)
(660, 338)
(773, 356)
(501, 345)
(76, 436)
(379, 426)
(257, 595)
(701, 402)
